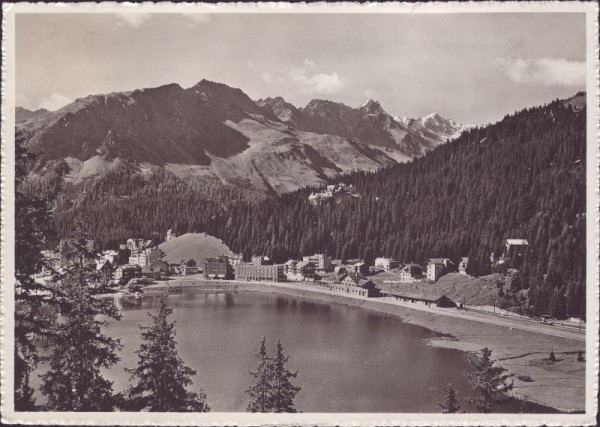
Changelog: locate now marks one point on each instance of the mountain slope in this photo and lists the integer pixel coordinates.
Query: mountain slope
(523, 177)
(209, 131)
(22, 114)
(162, 125)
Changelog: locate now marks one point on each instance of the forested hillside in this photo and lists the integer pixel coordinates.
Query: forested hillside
(523, 177)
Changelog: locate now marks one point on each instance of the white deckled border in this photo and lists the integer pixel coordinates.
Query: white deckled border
(242, 419)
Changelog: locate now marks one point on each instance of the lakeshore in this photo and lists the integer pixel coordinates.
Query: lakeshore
(521, 348)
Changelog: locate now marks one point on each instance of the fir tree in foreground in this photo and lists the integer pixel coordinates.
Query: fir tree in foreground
(161, 376)
(273, 391)
(449, 403)
(260, 392)
(79, 349)
(284, 391)
(32, 318)
(488, 382)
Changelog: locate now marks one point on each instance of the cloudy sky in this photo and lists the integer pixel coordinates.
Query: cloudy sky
(473, 68)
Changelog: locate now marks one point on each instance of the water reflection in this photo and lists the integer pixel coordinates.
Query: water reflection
(349, 359)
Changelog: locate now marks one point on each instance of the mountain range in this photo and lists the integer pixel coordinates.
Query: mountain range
(216, 133)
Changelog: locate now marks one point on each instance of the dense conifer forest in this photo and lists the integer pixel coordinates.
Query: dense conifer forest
(523, 177)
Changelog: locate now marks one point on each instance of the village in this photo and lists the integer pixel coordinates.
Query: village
(139, 263)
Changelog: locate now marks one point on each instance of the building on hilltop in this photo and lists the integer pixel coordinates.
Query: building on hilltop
(218, 268)
(333, 192)
(259, 272)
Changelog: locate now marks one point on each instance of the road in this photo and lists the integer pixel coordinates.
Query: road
(525, 324)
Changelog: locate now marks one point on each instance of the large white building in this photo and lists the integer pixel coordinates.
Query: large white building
(257, 272)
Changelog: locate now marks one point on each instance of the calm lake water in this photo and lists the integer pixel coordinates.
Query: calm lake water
(348, 359)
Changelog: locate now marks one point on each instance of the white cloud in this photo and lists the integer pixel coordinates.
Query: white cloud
(54, 102)
(133, 19)
(545, 71)
(305, 79)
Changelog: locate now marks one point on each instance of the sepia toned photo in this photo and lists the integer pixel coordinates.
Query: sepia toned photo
(280, 214)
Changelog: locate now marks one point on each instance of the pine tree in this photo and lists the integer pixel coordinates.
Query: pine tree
(79, 349)
(32, 322)
(488, 382)
(283, 391)
(450, 403)
(260, 392)
(161, 377)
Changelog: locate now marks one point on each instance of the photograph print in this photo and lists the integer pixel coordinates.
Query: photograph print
(300, 214)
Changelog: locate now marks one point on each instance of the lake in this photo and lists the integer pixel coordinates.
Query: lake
(348, 359)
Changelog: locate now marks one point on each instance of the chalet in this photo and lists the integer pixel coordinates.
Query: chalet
(152, 272)
(218, 268)
(356, 285)
(111, 256)
(105, 270)
(174, 268)
(386, 263)
(164, 267)
(462, 265)
(124, 273)
(188, 266)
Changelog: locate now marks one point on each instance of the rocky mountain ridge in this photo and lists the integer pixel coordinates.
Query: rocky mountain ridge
(215, 132)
